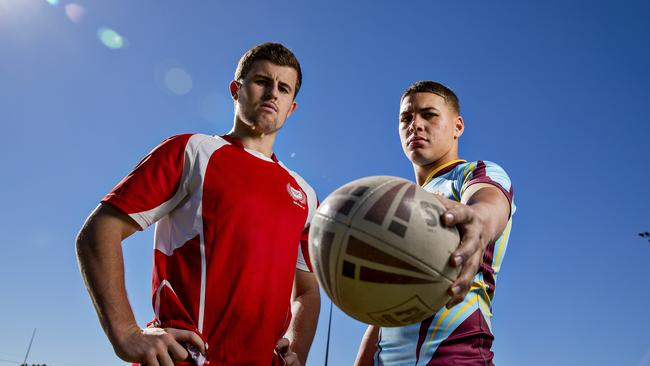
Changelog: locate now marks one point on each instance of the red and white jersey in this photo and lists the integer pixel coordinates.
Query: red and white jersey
(231, 228)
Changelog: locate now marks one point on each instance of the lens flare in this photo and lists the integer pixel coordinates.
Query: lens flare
(53, 2)
(75, 12)
(178, 81)
(110, 38)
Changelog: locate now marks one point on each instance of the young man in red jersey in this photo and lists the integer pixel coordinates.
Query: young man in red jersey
(478, 197)
(231, 274)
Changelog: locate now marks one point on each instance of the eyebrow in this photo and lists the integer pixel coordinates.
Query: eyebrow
(267, 77)
(425, 109)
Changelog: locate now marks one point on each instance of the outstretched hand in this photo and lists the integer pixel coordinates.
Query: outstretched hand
(474, 239)
(157, 346)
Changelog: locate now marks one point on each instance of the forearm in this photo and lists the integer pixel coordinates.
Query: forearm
(99, 253)
(368, 347)
(305, 309)
(491, 207)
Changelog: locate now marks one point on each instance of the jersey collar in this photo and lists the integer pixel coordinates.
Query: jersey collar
(237, 142)
(444, 168)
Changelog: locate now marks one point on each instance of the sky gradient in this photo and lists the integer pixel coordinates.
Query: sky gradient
(555, 92)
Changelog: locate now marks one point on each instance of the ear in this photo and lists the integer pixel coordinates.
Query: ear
(459, 127)
(234, 89)
(294, 105)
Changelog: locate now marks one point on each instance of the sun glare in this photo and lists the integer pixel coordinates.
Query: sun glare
(110, 38)
(16, 11)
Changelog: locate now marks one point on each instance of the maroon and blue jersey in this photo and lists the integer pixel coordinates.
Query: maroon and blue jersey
(461, 335)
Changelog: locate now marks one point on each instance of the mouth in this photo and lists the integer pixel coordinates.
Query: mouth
(269, 107)
(416, 141)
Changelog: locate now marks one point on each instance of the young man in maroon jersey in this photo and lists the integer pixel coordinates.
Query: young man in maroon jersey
(478, 196)
(231, 275)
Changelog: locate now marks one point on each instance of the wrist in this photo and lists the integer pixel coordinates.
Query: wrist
(484, 217)
(120, 334)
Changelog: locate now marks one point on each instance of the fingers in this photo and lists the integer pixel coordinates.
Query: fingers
(457, 214)
(165, 350)
(177, 351)
(151, 358)
(446, 202)
(469, 245)
(291, 359)
(186, 336)
(165, 360)
(283, 346)
(461, 286)
(283, 350)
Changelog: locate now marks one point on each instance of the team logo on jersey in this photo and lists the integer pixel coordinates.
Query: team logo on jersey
(298, 195)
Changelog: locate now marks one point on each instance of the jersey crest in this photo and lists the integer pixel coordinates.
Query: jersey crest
(298, 196)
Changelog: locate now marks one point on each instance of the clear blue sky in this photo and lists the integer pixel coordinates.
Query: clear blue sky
(555, 91)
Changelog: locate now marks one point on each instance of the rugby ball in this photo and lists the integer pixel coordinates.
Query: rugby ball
(380, 252)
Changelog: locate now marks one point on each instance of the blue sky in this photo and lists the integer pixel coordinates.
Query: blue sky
(554, 91)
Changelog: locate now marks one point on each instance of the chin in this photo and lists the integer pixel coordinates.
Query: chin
(266, 128)
(421, 160)
(262, 125)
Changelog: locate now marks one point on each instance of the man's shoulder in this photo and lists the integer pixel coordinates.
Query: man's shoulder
(301, 181)
(193, 142)
(469, 167)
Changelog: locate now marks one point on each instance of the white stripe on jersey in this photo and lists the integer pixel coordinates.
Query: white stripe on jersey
(206, 150)
(156, 307)
(301, 264)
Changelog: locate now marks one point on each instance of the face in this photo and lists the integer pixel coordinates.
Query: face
(264, 98)
(429, 129)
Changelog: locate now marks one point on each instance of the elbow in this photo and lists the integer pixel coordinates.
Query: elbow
(81, 244)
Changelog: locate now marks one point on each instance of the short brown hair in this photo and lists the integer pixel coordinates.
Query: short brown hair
(428, 86)
(272, 52)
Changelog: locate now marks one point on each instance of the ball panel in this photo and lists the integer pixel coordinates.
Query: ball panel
(404, 208)
(380, 283)
(410, 311)
(342, 203)
(377, 212)
(324, 248)
(361, 249)
(411, 224)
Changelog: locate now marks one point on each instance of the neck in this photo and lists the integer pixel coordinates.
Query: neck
(422, 172)
(253, 139)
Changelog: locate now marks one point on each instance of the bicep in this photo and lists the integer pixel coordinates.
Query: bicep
(304, 283)
(489, 194)
(107, 220)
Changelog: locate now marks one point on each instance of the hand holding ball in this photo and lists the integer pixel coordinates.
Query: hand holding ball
(380, 252)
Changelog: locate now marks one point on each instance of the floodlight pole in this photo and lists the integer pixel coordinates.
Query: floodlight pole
(329, 328)
(29, 347)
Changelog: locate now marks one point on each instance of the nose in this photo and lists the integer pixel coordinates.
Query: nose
(272, 91)
(417, 124)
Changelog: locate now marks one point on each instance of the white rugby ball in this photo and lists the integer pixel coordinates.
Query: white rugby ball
(380, 252)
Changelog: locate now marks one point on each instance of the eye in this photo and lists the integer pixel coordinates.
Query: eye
(284, 90)
(405, 119)
(429, 115)
(259, 81)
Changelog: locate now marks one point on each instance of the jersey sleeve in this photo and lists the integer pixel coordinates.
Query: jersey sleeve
(156, 185)
(487, 172)
(304, 262)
